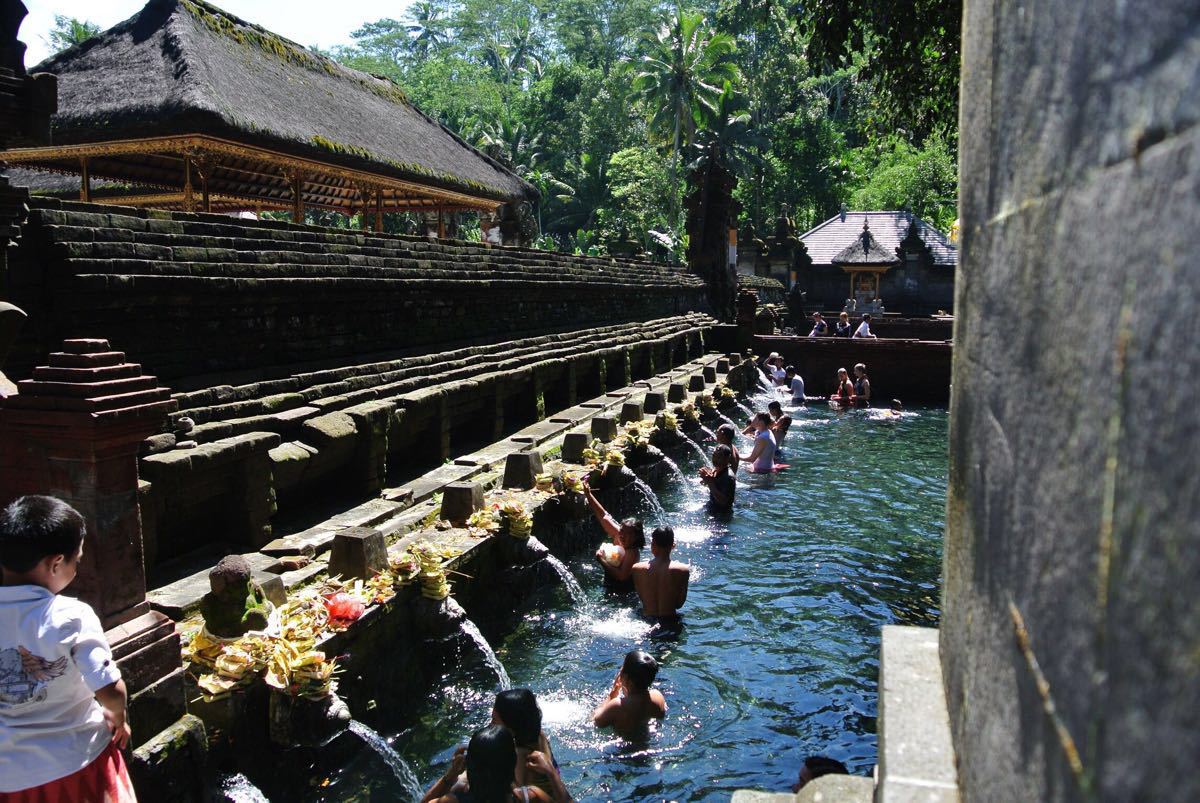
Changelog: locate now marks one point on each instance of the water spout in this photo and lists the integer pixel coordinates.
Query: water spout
(404, 774)
(695, 447)
(471, 631)
(651, 500)
(676, 471)
(579, 599)
(745, 410)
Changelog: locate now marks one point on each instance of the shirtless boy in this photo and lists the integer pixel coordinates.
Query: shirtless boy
(661, 582)
(631, 703)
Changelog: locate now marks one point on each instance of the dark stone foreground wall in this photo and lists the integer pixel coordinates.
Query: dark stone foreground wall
(197, 295)
(1071, 625)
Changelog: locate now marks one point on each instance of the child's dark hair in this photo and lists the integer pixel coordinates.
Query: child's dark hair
(491, 757)
(640, 669)
(722, 455)
(763, 417)
(639, 531)
(727, 430)
(791, 369)
(773, 406)
(37, 527)
(518, 710)
(663, 537)
(823, 765)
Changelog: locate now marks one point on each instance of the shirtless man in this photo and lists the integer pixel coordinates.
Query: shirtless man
(661, 582)
(631, 703)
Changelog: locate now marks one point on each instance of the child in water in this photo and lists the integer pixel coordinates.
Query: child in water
(62, 700)
(631, 703)
(719, 480)
(725, 437)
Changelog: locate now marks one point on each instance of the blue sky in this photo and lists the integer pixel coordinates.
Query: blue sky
(309, 22)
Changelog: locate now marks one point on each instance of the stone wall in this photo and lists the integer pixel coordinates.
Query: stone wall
(196, 295)
(1071, 626)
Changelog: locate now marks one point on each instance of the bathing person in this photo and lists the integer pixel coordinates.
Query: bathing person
(518, 710)
(864, 328)
(719, 480)
(819, 326)
(628, 534)
(725, 436)
(843, 325)
(816, 766)
(862, 386)
(661, 582)
(897, 407)
(843, 394)
(778, 373)
(62, 699)
(762, 457)
(489, 760)
(780, 424)
(631, 703)
(796, 384)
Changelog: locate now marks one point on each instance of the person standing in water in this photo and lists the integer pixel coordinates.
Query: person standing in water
(862, 386)
(762, 457)
(631, 703)
(725, 437)
(843, 394)
(719, 480)
(628, 534)
(661, 583)
(796, 384)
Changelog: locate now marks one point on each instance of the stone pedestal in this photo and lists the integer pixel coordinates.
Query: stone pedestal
(696, 383)
(677, 392)
(358, 552)
(654, 402)
(631, 411)
(73, 432)
(521, 469)
(573, 445)
(710, 373)
(604, 427)
(460, 500)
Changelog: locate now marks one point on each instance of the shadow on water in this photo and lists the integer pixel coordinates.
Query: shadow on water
(779, 655)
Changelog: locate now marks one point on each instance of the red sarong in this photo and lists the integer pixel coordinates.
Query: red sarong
(105, 780)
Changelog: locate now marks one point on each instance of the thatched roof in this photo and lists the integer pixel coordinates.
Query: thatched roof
(181, 67)
(888, 229)
(865, 251)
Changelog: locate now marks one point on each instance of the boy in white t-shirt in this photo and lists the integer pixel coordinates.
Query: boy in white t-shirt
(62, 700)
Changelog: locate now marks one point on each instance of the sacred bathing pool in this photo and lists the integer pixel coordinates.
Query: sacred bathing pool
(333, 477)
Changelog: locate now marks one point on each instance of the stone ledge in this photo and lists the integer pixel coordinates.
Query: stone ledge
(826, 789)
(916, 753)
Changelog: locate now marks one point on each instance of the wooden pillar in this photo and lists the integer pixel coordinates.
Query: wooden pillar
(85, 180)
(189, 198)
(441, 226)
(379, 211)
(297, 181)
(877, 275)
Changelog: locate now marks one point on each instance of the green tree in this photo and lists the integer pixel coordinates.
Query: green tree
(639, 181)
(680, 75)
(69, 31)
(897, 175)
(428, 27)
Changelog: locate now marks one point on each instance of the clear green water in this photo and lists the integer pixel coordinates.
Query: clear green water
(779, 654)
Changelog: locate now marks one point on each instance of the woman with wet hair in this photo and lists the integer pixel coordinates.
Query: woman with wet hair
(488, 761)
(518, 710)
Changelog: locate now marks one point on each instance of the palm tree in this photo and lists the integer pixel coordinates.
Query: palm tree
(429, 28)
(586, 196)
(681, 75)
(68, 31)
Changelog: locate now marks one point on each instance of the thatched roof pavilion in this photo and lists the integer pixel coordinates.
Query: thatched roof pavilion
(184, 106)
(865, 260)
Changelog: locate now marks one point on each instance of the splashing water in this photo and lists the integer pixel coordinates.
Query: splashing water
(727, 420)
(471, 631)
(745, 410)
(579, 599)
(399, 767)
(651, 500)
(238, 789)
(676, 472)
(764, 381)
(700, 453)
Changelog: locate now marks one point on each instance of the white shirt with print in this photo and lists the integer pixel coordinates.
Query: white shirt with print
(53, 659)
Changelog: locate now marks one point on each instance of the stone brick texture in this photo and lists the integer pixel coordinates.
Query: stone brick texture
(194, 294)
(1071, 624)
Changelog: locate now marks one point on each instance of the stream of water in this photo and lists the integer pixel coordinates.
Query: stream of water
(778, 658)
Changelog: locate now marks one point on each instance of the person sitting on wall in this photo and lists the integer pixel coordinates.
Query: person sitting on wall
(820, 328)
(864, 328)
(796, 384)
(719, 480)
(816, 766)
(843, 394)
(725, 436)
(661, 583)
(488, 761)
(629, 536)
(518, 710)
(631, 703)
(62, 700)
(843, 325)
